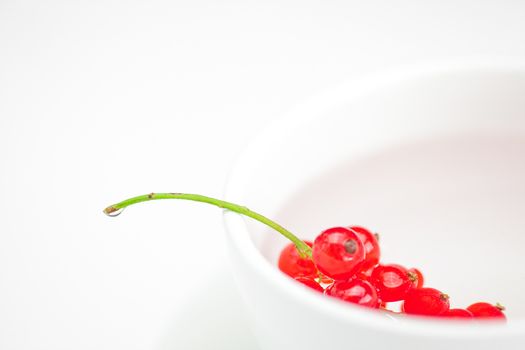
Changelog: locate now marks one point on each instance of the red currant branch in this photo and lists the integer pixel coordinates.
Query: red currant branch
(303, 248)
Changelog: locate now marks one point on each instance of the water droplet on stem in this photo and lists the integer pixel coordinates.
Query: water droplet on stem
(111, 211)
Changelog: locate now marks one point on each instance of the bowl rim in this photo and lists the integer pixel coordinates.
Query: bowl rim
(237, 230)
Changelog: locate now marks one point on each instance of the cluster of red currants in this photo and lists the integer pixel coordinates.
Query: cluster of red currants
(345, 265)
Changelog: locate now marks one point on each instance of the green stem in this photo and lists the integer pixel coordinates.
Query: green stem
(302, 247)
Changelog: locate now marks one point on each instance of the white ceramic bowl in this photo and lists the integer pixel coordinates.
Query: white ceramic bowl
(433, 158)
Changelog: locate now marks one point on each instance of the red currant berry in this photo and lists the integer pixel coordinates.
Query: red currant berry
(392, 282)
(458, 313)
(425, 301)
(338, 253)
(487, 311)
(371, 244)
(354, 291)
(416, 277)
(291, 263)
(309, 282)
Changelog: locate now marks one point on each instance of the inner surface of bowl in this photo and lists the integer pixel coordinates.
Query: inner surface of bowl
(432, 161)
(451, 205)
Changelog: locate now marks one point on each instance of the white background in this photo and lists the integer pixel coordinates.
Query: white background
(102, 100)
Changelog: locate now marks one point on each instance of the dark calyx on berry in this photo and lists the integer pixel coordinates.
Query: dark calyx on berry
(416, 277)
(350, 246)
